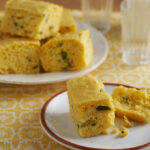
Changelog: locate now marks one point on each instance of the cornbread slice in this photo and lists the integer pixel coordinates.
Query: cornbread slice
(91, 107)
(18, 56)
(71, 51)
(31, 18)
(132, 103)
(67, 23)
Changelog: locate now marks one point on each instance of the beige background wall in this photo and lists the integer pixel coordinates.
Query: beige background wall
(69, 3)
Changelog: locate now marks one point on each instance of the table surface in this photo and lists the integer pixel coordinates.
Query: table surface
(20, 105)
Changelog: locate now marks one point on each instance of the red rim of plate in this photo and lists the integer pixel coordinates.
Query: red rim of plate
(70, 144)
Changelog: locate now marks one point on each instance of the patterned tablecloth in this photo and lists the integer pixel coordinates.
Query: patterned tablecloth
(20, 105)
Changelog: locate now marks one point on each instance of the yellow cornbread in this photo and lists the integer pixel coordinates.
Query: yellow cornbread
(31, 18)
(71, 51)
(91, 107)
(67, 23)
(132, 103)
(123, 132)
(115, 130)
(127, 123)
(18, 56)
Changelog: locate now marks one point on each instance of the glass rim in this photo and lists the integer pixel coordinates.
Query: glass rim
(128, 9)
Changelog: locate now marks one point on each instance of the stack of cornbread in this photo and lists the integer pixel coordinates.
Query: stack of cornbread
(37, 35)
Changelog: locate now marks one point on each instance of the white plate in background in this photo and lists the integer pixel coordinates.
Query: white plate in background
(101, 49)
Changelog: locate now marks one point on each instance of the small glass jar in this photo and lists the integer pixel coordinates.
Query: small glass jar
(97, 13)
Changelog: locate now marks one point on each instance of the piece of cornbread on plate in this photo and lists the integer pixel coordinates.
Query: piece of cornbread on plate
(91, 107)
(31, 18)
(71, 51)
(19, 56)
(67, 23)
(132, 103)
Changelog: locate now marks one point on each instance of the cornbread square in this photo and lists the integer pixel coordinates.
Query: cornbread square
(132, 103)
(67, 23)
(71, 51)
(31, 18)
(19, 56)
(91, 107)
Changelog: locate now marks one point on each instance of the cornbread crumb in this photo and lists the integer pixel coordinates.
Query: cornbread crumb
(123, 132)
(106, 132)
(91, 108)
(127, 123)
(115, 130)
(132, 103)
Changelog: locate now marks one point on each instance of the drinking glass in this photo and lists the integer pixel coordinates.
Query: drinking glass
(136, 32)
(97, 13)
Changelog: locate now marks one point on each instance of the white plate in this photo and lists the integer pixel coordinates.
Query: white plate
(58, 125)
(100, 53)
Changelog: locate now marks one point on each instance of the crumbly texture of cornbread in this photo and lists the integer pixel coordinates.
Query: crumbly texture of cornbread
(123, 132)
(132, 103)
(91, 107)
(71, 51)
(31, 18)
(115, 130)
(127, 123)
(67, 23)
(1, 20)
(19, 56)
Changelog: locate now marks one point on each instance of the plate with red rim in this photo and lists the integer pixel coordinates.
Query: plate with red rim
(57, 124)
(101, 49)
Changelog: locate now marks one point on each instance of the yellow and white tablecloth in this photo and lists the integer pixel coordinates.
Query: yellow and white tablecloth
(20, 105)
